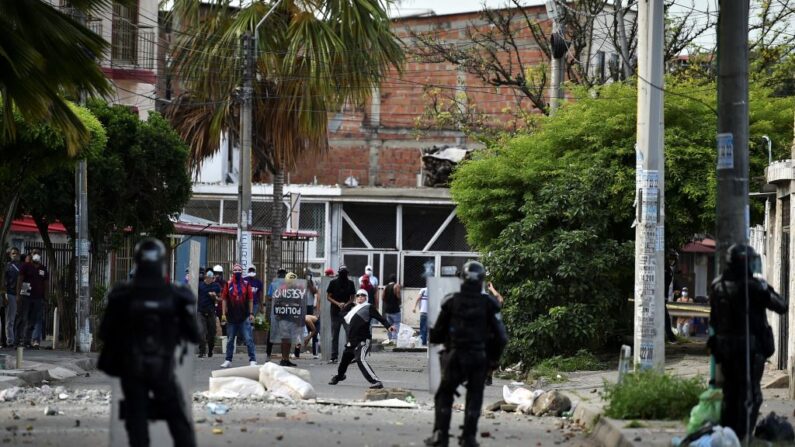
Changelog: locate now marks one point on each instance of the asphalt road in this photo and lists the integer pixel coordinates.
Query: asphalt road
(85, 422)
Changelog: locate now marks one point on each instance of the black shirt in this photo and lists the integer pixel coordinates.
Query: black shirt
(391, 300)
(207, 302)
(341, 290)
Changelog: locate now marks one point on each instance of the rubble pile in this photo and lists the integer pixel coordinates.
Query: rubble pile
(45, 395)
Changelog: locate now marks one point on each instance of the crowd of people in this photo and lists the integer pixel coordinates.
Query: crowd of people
(24, 301)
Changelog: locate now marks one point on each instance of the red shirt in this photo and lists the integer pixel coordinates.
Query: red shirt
(237, 297)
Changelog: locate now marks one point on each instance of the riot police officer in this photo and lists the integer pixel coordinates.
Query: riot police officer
(471, 329)
(742, 339)
(145, 320)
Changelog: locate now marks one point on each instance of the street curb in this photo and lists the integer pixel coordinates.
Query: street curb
(602, 429)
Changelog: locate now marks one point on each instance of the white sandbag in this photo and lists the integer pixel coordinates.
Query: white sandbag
(234, 387)
(404, 336)
(522, 397)
(279, 382)
(252, 372)
(249, 372)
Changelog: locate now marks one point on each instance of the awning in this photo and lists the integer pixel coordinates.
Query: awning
(27, 225)
(192, 228)
(703, 246)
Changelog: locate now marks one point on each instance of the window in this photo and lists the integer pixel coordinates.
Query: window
(313, 218)
(599, 66)
(124, 39)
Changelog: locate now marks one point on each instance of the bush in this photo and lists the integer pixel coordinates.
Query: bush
(652, 395)
(551, 368)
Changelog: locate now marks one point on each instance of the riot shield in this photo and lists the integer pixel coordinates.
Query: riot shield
(438, 289)
(288, 311)
(184, 355)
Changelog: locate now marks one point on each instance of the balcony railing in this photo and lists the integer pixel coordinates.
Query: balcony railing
(133, 46)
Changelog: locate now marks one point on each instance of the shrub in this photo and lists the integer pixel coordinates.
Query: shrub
(652, 395)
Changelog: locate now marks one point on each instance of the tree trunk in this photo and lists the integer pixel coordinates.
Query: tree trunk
(9, 217)
(277, 225)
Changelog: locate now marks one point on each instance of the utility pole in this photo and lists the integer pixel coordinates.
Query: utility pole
(244, 246)
(649, 347)
(622, 40)
(557, 52)
(82, 245)
(732, 200)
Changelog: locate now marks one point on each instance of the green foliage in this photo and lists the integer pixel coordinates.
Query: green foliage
(552, 210)
(652, 395)
(581, 361)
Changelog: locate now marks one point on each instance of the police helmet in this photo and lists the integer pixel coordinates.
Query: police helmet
(473, 273)
(150, 259)
(740, 258)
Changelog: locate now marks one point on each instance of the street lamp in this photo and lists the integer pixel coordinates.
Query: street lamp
(769, 149)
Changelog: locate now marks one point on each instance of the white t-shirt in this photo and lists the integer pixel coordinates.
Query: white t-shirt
(424, 300)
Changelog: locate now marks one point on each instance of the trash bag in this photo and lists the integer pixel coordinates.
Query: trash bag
(706, 411)
(522, 397)
(774, 428)
(723, 437)
(404, 336)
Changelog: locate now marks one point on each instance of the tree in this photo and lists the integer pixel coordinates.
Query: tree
(46, 55)
(138, 181)
(315, 56)
(553, 210)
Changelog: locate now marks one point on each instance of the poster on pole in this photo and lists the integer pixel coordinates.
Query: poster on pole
(288, 310)
(725, 151)
(246, 250)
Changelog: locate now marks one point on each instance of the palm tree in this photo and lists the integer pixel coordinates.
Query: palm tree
(314, 57)
(46, 55)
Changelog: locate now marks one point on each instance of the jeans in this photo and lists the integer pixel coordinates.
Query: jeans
(242, 329)
(206, 332)
(11, 313)
(424, 328)
(394, 320)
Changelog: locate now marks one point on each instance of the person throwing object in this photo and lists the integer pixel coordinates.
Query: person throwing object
(357, 317)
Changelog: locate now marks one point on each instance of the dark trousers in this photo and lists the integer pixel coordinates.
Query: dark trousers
(169, 403)
(669, 332)
(357, 353)
(207, 332)
(336, 325)
(459, 367)
(734, 412)
(29, 312)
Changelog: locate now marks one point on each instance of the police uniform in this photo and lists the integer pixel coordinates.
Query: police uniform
(728, 318)
(144, 322)
(471, 329)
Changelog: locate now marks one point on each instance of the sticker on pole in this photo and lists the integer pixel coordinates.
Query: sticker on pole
(725, 151)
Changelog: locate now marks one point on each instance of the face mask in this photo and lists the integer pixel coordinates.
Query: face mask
(238, 275)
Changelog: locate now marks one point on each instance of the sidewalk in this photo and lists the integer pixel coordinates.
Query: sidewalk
(585, 387)
(41, 365)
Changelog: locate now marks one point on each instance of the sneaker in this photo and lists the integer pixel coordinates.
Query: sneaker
(376, 386)
(332, 362)
(336, 379)
(285, 362)
(252, 363)
(209, 353)
(315, 357)
(438, 439)
(226, 364)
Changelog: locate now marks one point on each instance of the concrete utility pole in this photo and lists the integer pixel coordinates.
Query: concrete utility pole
(732, 201)
(649, 347)
(82, 246)
(244, 247)
(557, 53)
(622, 36)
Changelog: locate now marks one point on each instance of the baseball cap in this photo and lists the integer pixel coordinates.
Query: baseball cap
(343, 268)
(209, 274)
(361, 292)
(218, 269)
(329, 272)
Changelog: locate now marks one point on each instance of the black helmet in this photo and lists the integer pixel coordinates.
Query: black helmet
(740, 258)
(473, 273)
(150, 260)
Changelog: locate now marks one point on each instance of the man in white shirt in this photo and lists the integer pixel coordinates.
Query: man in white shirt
(422, 303)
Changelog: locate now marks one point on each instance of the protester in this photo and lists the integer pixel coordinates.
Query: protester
(145, 320)
(372, 289)
(743, 339)
(498, 297)
(31, 292)
(218, 274)
(684, 325)
(357, 317)
(422, 303)
(209, 293)
(312, 310)
(238, 313)
(340, 292)
(471, 329)
(392, 305)
(13, 268)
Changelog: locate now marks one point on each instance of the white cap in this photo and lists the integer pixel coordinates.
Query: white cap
(218, 268)
(362, 292)
(368, 269)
